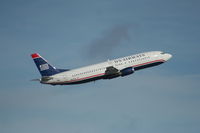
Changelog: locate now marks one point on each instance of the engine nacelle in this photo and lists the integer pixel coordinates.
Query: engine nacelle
(127, 71)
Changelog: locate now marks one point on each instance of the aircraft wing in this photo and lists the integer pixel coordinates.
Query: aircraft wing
(111, 72)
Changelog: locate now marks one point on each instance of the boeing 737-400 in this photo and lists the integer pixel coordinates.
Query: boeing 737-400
(106, 70)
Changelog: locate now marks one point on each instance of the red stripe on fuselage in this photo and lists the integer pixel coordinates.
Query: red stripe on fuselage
(148, 63)
(87, 77)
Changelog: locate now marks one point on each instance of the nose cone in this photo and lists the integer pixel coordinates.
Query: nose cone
(168, 56)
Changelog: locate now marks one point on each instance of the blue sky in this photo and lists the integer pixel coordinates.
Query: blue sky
(75, 33)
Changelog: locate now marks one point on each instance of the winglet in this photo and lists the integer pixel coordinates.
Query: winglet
(35, 55)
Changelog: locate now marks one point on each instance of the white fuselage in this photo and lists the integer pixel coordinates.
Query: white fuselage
(96, 71)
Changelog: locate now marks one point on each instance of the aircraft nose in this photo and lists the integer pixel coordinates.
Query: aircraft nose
(168, 56)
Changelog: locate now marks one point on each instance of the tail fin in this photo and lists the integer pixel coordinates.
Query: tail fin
(43, 66)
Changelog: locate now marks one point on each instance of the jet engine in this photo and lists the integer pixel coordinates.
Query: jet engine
(127, 71)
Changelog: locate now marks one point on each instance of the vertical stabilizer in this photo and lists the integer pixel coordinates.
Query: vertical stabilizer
(43, 66)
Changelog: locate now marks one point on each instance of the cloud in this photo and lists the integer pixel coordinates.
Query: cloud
(103, 47)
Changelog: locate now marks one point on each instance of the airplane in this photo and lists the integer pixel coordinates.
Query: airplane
(106, 70)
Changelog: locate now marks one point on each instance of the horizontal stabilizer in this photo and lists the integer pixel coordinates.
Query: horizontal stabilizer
(36, 80)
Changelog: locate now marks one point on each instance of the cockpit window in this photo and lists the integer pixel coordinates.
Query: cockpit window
(162, 53)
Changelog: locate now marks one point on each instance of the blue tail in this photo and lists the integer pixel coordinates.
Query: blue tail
(44, 67)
